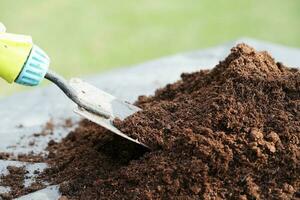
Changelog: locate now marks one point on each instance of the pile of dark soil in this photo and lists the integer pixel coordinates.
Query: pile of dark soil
(232, 132)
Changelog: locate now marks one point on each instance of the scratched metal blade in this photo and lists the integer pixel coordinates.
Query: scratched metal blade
(105, 103)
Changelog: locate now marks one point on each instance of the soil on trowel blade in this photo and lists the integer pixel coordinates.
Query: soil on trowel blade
(232, 132)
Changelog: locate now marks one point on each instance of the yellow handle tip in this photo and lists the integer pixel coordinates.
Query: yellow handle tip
(14, 50)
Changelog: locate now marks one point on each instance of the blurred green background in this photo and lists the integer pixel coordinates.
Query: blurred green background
(90, 36)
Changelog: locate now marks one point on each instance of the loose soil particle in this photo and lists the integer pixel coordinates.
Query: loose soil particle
(15, 180)
(232, 132)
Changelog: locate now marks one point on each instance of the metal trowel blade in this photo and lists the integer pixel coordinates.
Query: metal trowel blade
(104, 103)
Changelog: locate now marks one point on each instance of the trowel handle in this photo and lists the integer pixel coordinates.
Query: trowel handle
(20, 60)
(25, 63)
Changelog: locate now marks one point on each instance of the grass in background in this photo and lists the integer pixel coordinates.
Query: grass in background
(91, 36)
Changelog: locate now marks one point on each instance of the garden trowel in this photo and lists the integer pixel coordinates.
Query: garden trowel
(25, 63)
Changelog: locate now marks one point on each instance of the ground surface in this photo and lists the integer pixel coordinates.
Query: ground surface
(228, 133)
(84, 37)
